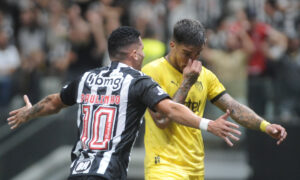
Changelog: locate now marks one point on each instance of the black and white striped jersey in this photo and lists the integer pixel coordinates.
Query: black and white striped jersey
(112, 101)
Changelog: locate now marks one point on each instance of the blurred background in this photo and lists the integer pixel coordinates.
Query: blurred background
(253, 46)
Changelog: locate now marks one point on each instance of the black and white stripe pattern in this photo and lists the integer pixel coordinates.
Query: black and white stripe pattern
(112, 101)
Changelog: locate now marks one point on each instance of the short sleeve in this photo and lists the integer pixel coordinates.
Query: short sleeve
(215, 88)
(68, 93)
(149, 92)
(148, 70)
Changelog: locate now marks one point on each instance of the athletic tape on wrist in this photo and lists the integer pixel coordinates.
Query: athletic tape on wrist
(263, 125)
(204, 124)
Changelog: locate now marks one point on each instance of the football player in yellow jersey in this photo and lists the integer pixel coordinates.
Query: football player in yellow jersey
(176, 152)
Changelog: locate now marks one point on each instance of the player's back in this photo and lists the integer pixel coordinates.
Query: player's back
(109, 117)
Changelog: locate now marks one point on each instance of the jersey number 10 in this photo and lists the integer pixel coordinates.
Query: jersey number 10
(97, 129)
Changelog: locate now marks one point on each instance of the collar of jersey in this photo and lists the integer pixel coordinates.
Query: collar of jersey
(117, 63)
(165, 61)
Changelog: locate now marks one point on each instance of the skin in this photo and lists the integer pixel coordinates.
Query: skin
(166, 108)
(180, 57)
(191, 70)
(248, 118)
(49, 105)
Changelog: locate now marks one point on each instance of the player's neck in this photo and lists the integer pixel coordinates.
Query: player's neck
(168, 58)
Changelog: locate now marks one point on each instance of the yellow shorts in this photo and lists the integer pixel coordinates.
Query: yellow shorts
(170, 175)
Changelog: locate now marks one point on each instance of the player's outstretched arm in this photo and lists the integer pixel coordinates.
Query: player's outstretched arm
(183, 115)
(249, 119)
(49, 105)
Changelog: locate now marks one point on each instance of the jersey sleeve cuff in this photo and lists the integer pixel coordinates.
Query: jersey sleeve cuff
(217, 97)
(152, 107)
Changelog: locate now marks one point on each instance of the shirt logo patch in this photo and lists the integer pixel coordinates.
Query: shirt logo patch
(83, 166)
(175, 83)
(199, 85)
(113, 82)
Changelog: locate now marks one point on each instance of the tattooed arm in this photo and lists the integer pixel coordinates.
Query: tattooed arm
(248, 118)
(49, 105)
(190, 76)
(239, 112)
(179, 97)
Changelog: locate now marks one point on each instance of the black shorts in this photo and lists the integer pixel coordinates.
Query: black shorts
(87, 177)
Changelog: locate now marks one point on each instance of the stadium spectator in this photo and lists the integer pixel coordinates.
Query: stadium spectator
(287, 93)
(269, 44)
(58, 53)
(32, 44)
(9, 63)
(177, 11)
(85, 53)
(230, 64)
(150, 14)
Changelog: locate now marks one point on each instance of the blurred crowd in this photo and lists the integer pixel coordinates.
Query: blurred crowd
(253, 46)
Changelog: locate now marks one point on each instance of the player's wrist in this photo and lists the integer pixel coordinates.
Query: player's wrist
(263, 125)
(188, 82)
(203, 125)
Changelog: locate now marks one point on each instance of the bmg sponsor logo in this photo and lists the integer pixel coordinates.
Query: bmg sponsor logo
(113, 82)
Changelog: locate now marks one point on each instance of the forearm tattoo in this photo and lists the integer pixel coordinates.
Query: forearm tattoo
(182, 92)
(41, 108)
(239, 112)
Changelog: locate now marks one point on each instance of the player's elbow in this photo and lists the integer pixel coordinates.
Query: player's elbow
(53, 109)
(162, 123)
(54, 103)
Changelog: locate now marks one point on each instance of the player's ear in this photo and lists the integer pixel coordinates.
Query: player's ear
(172, 44)
(133, 54)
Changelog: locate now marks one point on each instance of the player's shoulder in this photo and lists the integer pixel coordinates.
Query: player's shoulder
(207, 74)
(154, 64)
(155, 67)
(98, 69)
(135, 74)
(206, 71)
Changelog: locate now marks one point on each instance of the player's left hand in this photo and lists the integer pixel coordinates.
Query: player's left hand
(18, 116)
(277, 132)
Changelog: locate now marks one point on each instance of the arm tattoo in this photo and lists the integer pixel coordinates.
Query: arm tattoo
(178, 97)
(42, 108)
(182, 92)
(239, 112)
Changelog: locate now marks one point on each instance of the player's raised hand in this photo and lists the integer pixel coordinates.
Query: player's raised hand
(277, 132)
(224, 129)
(192, 70)
(18, 116)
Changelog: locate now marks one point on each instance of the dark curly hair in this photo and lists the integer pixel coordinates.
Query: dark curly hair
(189, 32)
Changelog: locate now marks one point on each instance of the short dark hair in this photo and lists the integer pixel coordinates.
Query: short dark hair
(189, 32)
(120, 38)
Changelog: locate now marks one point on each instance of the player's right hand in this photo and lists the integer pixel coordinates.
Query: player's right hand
(192, 71)
(18, 116)
(224, 129)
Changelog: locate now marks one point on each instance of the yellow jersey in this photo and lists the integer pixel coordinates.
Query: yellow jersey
(178, 147)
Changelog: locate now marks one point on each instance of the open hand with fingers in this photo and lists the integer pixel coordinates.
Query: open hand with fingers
(224, 129)
(276, 131)
(19, 116)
